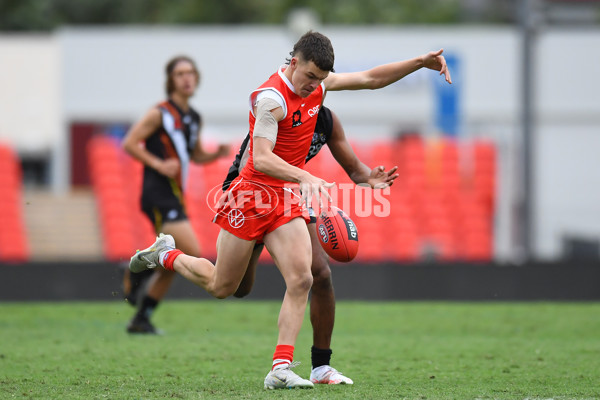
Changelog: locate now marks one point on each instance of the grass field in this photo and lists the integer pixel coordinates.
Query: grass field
(222, 350)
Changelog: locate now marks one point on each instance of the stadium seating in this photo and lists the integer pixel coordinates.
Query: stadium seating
(116, 181)
(14, 245)
(441, 207)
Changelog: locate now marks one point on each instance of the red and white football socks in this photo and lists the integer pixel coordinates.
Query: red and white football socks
(167, 258)
(283, 356)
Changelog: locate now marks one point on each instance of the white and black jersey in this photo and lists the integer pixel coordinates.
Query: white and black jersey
(162, 197)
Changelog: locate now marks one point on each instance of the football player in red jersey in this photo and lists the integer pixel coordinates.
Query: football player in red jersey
(328, 131)
(282, 122)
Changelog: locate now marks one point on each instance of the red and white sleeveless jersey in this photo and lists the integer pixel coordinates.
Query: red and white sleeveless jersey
(294, 131)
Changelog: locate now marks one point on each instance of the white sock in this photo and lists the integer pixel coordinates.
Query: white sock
(162, 256)
(280, 364)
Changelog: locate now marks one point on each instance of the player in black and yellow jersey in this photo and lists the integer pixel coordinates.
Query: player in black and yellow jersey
(171, 134)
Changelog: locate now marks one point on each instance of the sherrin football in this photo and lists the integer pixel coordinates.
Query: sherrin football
(337, 234)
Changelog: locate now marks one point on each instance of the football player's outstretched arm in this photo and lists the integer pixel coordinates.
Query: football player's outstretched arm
(386, 74)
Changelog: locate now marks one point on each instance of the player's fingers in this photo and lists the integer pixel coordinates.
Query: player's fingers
(308, 199)
(305, 194)
(444, 66)
(326, 194)
(391, 171)
(316, 193)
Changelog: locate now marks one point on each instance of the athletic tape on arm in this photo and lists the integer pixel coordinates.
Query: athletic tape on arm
(265, 125)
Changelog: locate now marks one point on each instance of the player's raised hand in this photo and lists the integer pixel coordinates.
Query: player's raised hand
(436, 61)
(380, 178)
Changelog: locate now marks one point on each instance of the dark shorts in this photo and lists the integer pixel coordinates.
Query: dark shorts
(160, 215)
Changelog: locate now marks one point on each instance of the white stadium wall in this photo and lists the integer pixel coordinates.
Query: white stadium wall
(30, 114)
(116, 73)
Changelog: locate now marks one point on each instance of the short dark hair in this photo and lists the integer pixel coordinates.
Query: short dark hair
(169, 84)
(315, 47)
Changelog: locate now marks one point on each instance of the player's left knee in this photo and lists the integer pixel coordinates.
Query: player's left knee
(224, 291)
(321, 274)
(300, 283)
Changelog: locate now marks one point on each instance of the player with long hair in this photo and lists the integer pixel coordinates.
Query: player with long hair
(171, 133)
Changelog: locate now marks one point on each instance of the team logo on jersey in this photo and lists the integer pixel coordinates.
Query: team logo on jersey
(296, 119)
(236, 218)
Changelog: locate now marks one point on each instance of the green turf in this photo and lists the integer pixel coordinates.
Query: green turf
(222, 350)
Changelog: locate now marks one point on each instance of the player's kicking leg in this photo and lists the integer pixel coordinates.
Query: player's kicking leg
(322, 316)
(289, 245)
(220, 280)
(223, 279)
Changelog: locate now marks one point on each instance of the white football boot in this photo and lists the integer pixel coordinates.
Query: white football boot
(328, 375)
(148, 258)
(285, 378)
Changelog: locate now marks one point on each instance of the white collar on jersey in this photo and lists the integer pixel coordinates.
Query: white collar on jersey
(284, 78)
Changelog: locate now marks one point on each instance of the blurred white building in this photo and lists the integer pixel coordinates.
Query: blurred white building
(114, 74)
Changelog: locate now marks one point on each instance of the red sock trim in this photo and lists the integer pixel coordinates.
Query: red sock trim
(280, 363)
(283, 352)
(170, 259)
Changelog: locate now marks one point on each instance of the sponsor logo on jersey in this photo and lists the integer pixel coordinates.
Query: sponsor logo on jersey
(236, 218)
(313, 111)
